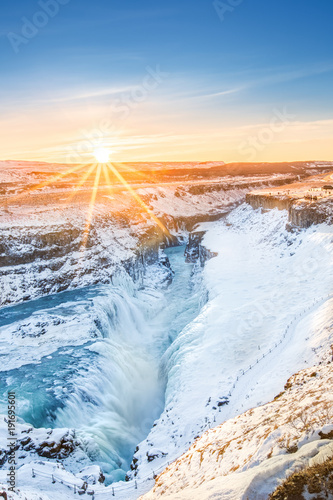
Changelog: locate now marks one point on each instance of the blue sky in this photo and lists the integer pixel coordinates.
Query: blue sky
(225, 77)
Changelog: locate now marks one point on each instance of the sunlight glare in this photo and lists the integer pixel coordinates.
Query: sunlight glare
(102, 155)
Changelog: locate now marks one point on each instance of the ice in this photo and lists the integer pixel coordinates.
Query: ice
(98, 369)
(259, 312)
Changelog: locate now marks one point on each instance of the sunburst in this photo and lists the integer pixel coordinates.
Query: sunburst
(104, 166)
(82, 181)
(102, 155)
(91, 206)
(137, 198)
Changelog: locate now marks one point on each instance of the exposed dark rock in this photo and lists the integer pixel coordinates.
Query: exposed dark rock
(327, 435)
(3, 457)
(302, 214)
(269, 202)
(152, 455)
(223, 401)
(292, 449)
(195, 251)
(306, 214)
(59, 450)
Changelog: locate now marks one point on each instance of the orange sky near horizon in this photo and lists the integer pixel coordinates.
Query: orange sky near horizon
(176, 82)
(54, 139)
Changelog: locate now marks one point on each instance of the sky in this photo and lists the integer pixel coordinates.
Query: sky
(183, 80)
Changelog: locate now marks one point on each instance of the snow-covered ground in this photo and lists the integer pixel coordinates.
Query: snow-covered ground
(96, 365)
(43, 214)
(263, 282)
(267, 316)
(248, 456)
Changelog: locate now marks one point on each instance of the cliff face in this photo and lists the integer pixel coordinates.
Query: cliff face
(42, 224)
(195, 251)
(257, 200)
(302, 212)
(36, 261)
(41, 243)
(306, 214)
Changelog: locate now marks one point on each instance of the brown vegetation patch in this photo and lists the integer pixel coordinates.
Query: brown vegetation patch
(316, 480)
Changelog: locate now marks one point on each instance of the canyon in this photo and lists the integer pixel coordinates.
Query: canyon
(141, 341)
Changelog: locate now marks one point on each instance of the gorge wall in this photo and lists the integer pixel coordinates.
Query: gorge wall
(302, 213)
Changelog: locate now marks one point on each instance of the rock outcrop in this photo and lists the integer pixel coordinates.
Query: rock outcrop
(195, 251)
(269, 201)
(37, 261)
(305, 214)
(308, 202)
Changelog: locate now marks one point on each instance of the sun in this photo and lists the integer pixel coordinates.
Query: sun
(102, 155)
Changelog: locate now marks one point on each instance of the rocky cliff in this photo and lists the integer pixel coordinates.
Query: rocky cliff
(48, 260)
(268, 201)
(308, 202)
(302, 214)
(44, 218)
(195, 251)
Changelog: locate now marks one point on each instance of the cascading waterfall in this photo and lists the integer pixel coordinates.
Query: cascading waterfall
(115, 404)
(109, 388)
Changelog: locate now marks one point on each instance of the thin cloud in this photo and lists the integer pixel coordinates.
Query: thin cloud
(220, 94)
(282, 75)
(93, 94)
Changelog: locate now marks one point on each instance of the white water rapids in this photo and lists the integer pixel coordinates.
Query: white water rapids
(111, 389)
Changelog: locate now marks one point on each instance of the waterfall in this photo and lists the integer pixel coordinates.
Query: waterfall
(103, 375)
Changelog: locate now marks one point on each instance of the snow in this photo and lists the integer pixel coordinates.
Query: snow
(247, 457)
(112, 399)
(269, 307)
(41, 230)
(264, 282)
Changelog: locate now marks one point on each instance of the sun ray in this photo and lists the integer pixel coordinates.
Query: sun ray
(135, 171)
(91, 206)
(83, 179)
(108, 180)
(137, 198)
(47, 183)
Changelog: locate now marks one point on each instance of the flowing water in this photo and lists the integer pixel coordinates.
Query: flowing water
(110, 387)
